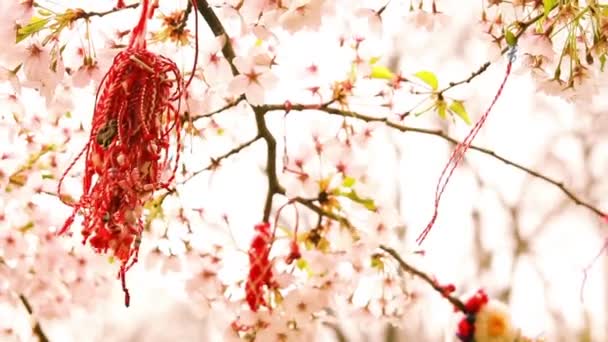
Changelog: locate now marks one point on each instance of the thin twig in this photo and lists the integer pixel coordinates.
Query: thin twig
(215, 162)
(186, 14)
(37, 329)
(219, 110)
(86, 15)
(413, 270)
(439, 133)
(522, 28)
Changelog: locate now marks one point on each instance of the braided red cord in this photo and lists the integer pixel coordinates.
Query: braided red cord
(260, 267)
(457, 156)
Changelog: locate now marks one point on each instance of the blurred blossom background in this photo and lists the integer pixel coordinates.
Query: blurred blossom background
(520, 238)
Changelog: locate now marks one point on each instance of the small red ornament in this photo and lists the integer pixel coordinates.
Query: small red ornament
(294, 252)
(465, 328)
(474, 304)
(260, 267)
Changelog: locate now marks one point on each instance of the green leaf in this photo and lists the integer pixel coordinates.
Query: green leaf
(36, 24)
(510, 38)
(377, 262)
(374, 60)
(441, 109)
(602, 62)
(381, 72)
(44, 13)
(368, 203)
(458, 108)
(548, 5)
(429, 78)
(303, 265)
(26, 227)
(348, 182)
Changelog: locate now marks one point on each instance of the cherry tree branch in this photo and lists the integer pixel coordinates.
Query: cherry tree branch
(215, 162)
(37, 329)
(274, 187)
(87, 15)
(440, 134)
(427, 279)
(219, 110)
(218, 30)
(457, 303)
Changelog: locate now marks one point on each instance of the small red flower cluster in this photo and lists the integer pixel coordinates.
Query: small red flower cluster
(466, 326)
(128, 149)
(260, 267)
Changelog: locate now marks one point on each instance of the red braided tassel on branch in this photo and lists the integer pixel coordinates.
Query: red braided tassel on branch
(260, 267)
(459, 152)
(136, 109)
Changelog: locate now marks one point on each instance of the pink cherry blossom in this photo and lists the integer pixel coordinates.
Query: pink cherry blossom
(217, 69)
(537, 45)
(254, 80)
(303, 14)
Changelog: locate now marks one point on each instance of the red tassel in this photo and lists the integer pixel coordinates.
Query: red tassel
(136, 109)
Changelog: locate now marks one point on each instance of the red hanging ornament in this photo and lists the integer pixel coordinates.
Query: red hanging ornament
(260, 267)
(136, 110)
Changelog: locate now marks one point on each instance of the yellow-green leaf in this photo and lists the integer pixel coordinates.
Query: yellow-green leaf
(377, 262)
(381, 72)
(323, 245)
(368, 203)
(35, 25)
(26, 227)
(510, 38)
(548, 6)
(44, 13)
(429, 78)
(374, 60)
(441, 109)
(348, 182)
(458, 108)
(47, 175)
(301, 264)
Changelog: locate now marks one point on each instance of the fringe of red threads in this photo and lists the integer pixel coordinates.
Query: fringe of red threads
(136, 109)
(260, 267)
(458, 155)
